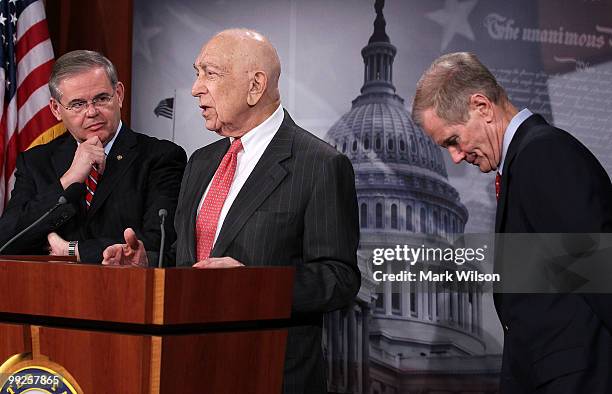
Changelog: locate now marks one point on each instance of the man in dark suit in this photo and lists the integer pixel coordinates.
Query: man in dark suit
(270, 193)
(129, 176)
(547, 182)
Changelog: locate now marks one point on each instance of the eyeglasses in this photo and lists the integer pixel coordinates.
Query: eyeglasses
(98, 102)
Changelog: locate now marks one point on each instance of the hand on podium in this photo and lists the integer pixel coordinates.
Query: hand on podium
(58, 246)
(218, 262)
(131, 253)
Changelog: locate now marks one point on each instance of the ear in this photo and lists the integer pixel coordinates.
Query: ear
(54, 105)
(120, 93)
(482, 105)
(258, 84)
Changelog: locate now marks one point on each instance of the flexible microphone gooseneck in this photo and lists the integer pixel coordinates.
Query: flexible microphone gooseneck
(162, 217)
(71, 194)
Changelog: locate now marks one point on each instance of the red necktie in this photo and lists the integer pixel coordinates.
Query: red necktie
(208, 217)
(91, 183)
(497, 185)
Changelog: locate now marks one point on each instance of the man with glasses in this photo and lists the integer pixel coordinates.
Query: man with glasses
(126, 177)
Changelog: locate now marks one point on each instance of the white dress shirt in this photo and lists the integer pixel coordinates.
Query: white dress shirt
(254, 143)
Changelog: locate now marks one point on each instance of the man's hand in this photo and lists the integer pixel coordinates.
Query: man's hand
(89, 153)
(57, 245)
(131, 253)
(218, 262)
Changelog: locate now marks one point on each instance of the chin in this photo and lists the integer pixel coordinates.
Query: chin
(103, 135)
(212, 126)
(214, 129)
(485, 169)
(223, 132)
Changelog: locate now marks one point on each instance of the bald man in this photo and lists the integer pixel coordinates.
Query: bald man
(270, 193)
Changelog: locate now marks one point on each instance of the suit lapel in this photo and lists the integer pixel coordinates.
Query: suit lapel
(120, 158)
(266, 176)
(515, 147)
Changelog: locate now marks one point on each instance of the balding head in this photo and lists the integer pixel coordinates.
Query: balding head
(252, 50)
(237, 81)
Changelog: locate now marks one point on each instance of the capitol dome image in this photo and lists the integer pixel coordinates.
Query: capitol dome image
(402, 337)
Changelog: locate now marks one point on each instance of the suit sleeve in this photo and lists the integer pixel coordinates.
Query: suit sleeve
(161, 191)
(565, 190)
(176, 224)
(28, 202)
(329, 277)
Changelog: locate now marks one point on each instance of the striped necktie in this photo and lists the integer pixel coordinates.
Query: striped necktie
(91, 184)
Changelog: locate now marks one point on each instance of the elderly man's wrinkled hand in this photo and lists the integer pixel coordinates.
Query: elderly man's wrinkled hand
(218, 262)
(131, 253)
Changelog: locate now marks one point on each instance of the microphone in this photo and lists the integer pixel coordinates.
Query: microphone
(71, 194)
(162, 217)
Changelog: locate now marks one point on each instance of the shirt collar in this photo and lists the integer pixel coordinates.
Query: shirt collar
(262, 131)
(513, 126)
(109, 145)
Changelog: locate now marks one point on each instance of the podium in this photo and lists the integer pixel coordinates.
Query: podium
(144, 330)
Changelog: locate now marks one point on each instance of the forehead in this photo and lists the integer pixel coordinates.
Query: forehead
(435, 127)
(86, 84)
(219, 52)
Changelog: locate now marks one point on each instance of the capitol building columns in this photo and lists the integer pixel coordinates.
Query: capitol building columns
(402, 337)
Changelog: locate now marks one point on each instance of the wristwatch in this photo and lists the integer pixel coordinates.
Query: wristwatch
(72, 248)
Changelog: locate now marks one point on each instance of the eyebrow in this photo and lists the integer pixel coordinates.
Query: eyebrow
(449, 141)
(76, 100)
(205, 65)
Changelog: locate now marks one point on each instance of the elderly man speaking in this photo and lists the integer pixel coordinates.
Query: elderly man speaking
(268, 193)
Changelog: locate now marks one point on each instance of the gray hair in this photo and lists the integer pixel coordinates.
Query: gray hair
(448, 84)
(77, 62)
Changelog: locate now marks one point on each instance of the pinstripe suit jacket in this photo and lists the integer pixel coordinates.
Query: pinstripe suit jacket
(297, 208)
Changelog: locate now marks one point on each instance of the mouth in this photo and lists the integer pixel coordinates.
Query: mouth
(472, 158)
(96, 126)
(204, 109)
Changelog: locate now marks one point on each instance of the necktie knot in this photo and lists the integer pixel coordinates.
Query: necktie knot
(235, 147)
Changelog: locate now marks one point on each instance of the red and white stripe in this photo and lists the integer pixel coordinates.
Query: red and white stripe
(91, 183)
(28, 114)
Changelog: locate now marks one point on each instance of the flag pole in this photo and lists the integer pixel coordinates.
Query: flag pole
(173, 114)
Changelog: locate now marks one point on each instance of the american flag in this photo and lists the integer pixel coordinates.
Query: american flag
(165, 108)
(25, 65)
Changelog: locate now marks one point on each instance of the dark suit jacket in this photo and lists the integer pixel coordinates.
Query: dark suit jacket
(297, 208)
(554, 343)
(142, 175)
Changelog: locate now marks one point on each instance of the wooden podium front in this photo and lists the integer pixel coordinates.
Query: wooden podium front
(134, 330)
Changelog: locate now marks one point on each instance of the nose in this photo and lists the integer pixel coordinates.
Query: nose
(91, 110)
(456, 154)
(198, 88)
